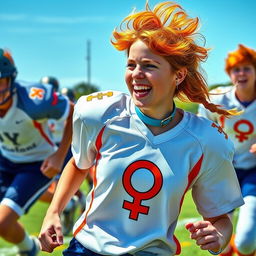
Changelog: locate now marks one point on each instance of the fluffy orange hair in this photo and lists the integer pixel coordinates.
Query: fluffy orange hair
(241, 55)
(168, 31)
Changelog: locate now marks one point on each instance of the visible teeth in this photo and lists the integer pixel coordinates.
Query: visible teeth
(141, 87)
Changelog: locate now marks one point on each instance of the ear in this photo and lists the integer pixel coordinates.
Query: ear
(180, 75)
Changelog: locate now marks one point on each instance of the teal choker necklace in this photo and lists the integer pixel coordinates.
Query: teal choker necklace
(156, 122)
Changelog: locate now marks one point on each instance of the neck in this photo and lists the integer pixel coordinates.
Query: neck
(159, 130)
(156, 122)
(245, 96)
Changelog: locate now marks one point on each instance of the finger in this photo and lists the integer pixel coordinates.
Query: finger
(213, 246)
(198, 225)
(202, 232)
(48, 242)
(59, 235)
(190, 227)
(44, 244)
(203, 240)
(43, 166)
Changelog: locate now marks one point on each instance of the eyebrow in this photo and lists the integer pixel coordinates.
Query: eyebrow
(145, 61)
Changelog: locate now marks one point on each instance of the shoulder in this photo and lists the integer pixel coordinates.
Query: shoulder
(101, 106)
(39, 100)
(35, 91)
(211, 137)
(221, 93)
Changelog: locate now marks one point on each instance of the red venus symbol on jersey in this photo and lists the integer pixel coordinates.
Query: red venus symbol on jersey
(135, 207)
(243, 135)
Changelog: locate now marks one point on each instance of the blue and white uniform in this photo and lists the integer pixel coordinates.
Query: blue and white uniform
(141, 179)
(25, 141)
(241, 130)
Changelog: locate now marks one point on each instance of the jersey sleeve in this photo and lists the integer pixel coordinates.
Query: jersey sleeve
(41, 102)
(91, 113)
(82, 145)
(217, 191)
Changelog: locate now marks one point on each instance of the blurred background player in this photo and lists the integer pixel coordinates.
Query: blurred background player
(56, 127)
(29, 158)
(241, 67)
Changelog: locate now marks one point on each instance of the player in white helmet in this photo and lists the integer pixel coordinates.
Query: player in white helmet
(29, 158)
(147, 153)
(240, 65)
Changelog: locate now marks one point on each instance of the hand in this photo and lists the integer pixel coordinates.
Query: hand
(51, 165)
(206, 235)
(253, 149)
(50, 235)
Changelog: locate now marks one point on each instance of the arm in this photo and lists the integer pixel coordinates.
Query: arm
(212, 233)
(51, 235)
(53, 164)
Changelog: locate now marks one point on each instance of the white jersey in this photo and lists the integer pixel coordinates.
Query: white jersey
(140, 179)
(56, 128)
(241, 129)
(24, 133)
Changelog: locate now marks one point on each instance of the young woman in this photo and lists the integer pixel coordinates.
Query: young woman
(241, 68)
(147, 153)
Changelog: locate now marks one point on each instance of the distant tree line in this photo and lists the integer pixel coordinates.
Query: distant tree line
(84, 88)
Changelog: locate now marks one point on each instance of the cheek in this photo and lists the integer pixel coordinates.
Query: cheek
(233, 77)
(127, 77)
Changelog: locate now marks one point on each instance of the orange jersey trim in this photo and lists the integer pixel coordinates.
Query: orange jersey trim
(98, 146)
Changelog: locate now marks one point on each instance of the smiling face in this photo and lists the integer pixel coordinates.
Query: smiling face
(244, 77)
(150, 80)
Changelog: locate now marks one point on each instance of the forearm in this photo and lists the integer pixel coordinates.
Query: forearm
(67, 134)
(70, 181)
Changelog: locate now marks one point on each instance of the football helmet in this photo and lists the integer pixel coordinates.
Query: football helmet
(52, 81)
(7, 70)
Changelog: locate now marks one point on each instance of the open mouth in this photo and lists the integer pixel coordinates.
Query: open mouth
(242, 81)
(141, 90)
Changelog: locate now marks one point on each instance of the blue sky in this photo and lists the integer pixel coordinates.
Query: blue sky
(50, 37)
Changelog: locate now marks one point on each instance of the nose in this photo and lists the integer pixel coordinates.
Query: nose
(138, 73)
(240, 71)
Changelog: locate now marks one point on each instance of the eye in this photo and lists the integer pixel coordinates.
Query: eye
(247, 69)
(149, 65)
(235, 70)
(131, 65)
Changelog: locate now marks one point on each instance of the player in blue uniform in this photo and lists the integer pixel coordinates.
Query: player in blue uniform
(147, 153)
(241, 129)
(29, 158)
